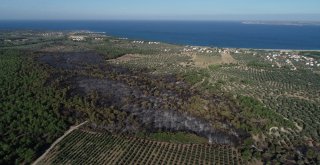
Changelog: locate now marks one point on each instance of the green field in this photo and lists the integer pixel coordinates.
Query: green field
(81, 147)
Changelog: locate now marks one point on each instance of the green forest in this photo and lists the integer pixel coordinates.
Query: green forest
(29, 110)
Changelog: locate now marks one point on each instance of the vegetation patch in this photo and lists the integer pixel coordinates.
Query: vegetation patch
(81, 147)
(176, 137)
(30, 118)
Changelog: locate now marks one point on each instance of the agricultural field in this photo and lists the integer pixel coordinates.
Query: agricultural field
(83, 147)
(155, 103)
(292, 93)
(286, 83)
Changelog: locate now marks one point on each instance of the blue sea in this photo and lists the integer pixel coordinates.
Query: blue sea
(201, 33)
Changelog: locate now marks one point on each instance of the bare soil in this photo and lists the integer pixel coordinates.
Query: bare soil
(203, 61)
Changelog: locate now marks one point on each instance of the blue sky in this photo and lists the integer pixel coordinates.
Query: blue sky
(160, 9)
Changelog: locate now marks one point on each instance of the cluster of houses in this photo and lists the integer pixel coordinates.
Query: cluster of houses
(309, 61)
(155, 43)
(52, 34)
(230, 50)
(197, 49)
(77, 37)
(99, 38)
(83, 38)
(84, 35)
(138, 42)
(272, 57)
(142, 42)
(290, 58)
(223, 51)
(210, 50)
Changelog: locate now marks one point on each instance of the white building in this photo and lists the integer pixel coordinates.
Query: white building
(77, 38)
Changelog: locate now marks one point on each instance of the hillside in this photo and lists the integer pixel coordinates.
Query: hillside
(203, 104)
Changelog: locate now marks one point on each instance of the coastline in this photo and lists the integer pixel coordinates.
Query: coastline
(228, 34)
(105, 34)
(299, 50)
(205, 46)
(215, 47)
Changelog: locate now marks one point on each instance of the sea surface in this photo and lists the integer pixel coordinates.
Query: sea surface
(200, 33)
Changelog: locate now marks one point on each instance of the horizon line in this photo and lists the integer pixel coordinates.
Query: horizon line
(218, 20)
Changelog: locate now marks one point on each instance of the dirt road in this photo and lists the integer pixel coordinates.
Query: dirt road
(72, 128)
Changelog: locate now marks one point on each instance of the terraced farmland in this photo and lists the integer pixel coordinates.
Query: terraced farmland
(82, 147)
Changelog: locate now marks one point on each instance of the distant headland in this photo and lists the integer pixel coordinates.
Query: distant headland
(289, 23)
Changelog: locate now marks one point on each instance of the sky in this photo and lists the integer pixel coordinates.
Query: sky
(284, 10)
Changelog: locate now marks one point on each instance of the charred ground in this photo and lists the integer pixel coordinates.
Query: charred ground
(128, 101)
